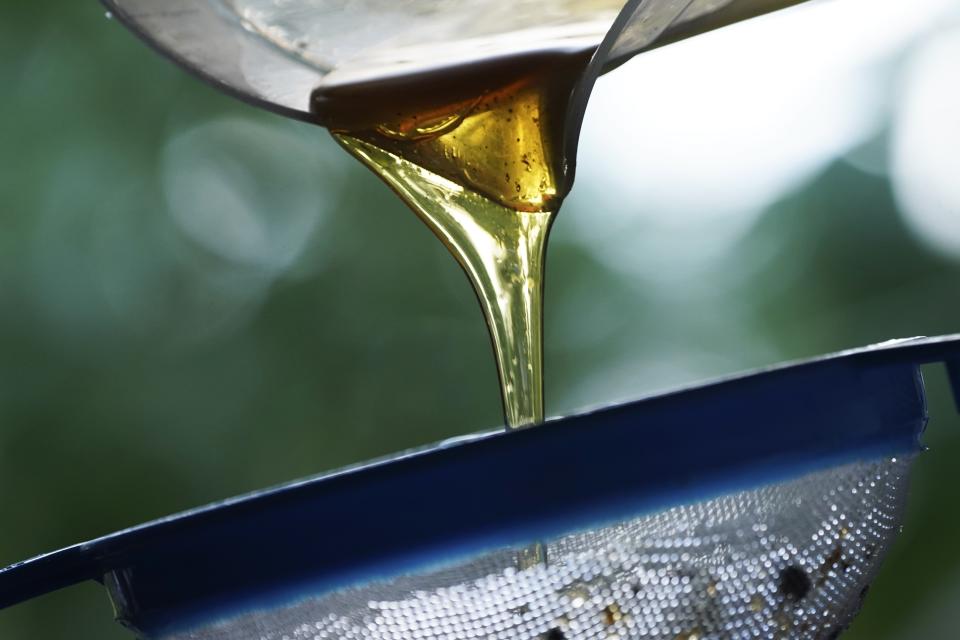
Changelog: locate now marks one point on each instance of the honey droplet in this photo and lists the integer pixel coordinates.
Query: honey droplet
(611, 614)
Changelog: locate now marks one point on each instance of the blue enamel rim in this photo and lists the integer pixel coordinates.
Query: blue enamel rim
(498, 489)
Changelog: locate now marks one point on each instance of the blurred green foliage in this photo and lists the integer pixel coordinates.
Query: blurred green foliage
(147, 367)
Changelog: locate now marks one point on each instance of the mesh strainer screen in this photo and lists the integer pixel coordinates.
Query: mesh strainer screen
(788, 560)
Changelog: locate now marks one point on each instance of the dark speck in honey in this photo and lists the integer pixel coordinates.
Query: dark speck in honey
(794, 583)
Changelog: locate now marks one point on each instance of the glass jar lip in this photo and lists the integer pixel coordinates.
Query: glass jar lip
(213, 44)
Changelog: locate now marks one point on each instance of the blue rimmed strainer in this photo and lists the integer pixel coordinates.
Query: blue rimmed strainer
(758, 506)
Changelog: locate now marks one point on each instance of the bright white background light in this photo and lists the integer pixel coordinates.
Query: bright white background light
(710, 131)
(926, 143)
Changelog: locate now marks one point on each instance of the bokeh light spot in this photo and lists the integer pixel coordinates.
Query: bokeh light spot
(926, 144)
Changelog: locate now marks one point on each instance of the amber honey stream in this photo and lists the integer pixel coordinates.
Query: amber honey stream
(478, 153)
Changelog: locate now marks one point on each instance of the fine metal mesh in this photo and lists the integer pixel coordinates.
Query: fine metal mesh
(790, 560)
